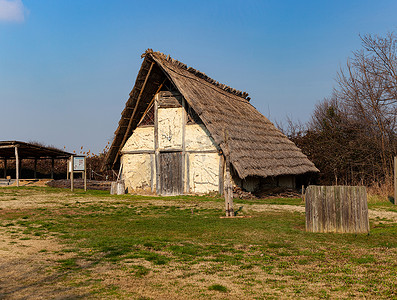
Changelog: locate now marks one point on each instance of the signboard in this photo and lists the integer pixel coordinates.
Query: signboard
(78, 163)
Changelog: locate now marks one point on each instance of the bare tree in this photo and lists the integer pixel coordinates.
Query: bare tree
(352, 135)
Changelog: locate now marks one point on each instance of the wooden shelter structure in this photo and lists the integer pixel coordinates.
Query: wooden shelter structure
(183, 132)
(18, 151)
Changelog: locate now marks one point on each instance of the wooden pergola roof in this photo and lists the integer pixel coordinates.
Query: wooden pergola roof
(30, 151)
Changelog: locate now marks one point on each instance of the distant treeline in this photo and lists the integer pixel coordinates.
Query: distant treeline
(351, 136)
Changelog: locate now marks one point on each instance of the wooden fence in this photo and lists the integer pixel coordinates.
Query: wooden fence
(340, 209)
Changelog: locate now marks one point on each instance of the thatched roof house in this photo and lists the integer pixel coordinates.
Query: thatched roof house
(256, 148)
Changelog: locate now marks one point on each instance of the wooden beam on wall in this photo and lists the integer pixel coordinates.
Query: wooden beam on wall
(152, 172)
(156, 143)
(184, 121)
(136, 106)
(126, 132)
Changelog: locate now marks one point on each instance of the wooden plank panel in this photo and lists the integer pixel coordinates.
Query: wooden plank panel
(336, 209)
(308, 208)
(315, 209)
(330, 216)
(171, 182)
(365, 210)
(357, 209)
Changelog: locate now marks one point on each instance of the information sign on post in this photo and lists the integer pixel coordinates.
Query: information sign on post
(77, 164)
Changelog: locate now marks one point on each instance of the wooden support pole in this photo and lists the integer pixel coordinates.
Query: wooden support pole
(52, 168)
(35, 168)
(395, 180)
(71, 174)
(228, 192)
(156, 144)
(184, 121)
(17, 165)
(5, 167)
(85, 174)
(221, 174)
(228, 180)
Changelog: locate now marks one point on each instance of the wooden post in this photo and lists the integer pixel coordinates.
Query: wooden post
(85, 174)
(187, 172)
(395, 180)
(228, 192)
(228, 181)
(156, 144)
(5, 167)
(35, 168)
(221, 173)
(67, 170)
(52, 168)
(17, 165)
(152, 172)
(184, 120)
(71, 174)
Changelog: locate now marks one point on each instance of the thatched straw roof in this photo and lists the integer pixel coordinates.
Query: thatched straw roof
(256, 146)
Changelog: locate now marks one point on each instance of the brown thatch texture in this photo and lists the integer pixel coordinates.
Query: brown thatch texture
(256, 146)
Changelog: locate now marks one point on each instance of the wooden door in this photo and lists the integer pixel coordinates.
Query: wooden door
(171, 182)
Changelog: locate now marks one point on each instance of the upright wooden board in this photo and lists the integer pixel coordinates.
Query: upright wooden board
(171, 182)
(340, 209)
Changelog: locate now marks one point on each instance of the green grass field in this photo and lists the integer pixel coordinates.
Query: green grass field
(179, 247)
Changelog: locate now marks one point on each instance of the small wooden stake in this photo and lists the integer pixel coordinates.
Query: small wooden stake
(395, 180)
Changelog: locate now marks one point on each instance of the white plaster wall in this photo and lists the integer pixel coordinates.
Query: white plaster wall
(203, 172)
(197, 137)
(141, 139)
(170, 128)
(137, 172)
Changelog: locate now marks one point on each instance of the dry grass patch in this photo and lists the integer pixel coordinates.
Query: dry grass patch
(166, 248)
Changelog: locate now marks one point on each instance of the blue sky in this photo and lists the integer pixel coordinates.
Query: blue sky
(67, 67)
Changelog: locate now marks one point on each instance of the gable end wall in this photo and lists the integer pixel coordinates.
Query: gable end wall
(201, 158)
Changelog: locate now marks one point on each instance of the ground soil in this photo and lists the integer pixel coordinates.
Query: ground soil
(29, 267)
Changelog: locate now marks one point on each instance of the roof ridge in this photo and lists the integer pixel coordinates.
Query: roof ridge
(197, 73)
